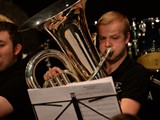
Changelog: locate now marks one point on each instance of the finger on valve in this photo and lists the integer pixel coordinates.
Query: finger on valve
(52, 73)
(55, 70)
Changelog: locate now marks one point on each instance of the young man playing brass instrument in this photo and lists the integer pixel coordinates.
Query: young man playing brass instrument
(130, 78)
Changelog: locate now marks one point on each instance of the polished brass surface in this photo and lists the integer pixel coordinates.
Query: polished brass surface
(66, 23)
(48, 13)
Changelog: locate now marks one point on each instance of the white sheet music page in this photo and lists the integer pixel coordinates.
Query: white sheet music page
(96, 100)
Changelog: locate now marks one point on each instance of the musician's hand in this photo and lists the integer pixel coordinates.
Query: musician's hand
(52, 72)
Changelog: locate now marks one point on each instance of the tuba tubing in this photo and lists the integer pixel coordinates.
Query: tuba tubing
(66, 23)
(37, 58)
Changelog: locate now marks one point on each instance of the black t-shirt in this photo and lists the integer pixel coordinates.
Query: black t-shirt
(14, 88)
(132, 80)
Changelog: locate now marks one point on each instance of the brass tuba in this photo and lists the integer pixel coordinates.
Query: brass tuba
(65, 22)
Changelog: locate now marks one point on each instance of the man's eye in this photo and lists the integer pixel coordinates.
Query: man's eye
(1, 45)
(101, 39)
(115, 38)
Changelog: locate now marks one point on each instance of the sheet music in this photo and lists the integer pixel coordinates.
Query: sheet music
(96, 99)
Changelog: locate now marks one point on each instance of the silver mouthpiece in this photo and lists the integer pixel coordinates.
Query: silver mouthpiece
(109, 52)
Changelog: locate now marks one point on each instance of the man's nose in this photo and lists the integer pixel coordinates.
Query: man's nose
(108, 43)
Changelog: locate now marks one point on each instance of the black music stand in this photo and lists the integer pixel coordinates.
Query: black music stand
(91, 100)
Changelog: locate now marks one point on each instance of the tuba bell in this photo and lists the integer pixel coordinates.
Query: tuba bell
(65, 22)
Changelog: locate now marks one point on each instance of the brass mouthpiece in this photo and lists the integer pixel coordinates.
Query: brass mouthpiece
(109, 52)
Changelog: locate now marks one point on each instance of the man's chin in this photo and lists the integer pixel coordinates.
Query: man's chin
(111, 60)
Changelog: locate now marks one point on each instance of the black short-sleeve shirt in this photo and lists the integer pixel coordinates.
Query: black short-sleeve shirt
(132, 81)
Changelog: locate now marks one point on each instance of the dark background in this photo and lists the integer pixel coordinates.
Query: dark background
(21, 10)
(94, 8)
(141, 9)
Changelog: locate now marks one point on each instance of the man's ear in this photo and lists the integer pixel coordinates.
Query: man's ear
(128, 37)
(18, 48)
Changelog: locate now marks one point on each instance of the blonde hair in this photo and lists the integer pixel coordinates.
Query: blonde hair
(110, 16)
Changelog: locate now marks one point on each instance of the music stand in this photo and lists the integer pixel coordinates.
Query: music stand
(90, 100)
